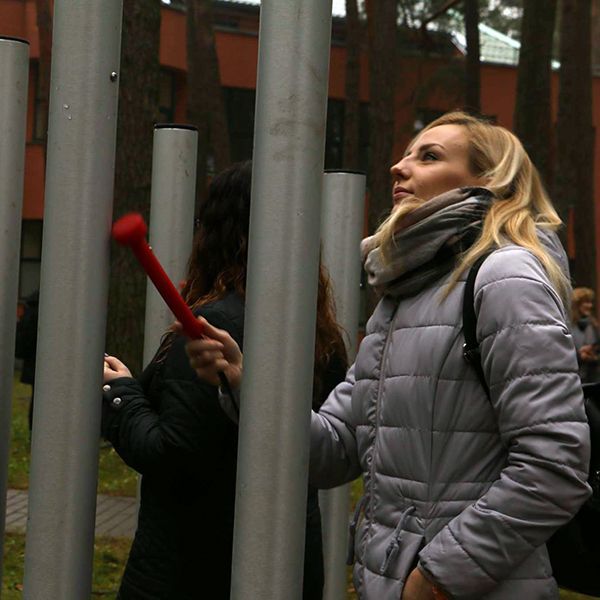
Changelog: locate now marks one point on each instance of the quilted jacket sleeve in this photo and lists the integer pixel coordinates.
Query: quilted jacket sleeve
(333, 453)
(181, 427)
(530, 365)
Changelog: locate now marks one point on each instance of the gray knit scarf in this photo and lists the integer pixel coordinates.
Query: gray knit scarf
(427, 242)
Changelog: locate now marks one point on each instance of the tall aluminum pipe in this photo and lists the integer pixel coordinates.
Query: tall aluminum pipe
(14, 73)
(171, 219)
(291, 103)
(342, 222)
(73, 299)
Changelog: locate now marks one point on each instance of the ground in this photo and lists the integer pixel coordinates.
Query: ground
(114, 478)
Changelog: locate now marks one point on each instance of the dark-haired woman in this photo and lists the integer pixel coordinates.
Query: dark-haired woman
(169, 426)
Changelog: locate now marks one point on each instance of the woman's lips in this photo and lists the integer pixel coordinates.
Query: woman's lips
(400, 193)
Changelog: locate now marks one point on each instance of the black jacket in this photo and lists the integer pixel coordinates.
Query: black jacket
(26, 338)
(170, 427)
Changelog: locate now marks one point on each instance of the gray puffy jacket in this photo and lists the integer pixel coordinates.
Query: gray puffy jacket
(468, 487)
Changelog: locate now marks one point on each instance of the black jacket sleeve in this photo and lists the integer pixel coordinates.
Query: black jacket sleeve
(173, 424)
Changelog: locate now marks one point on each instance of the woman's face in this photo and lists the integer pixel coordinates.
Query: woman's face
(436, 162)
(585, 308)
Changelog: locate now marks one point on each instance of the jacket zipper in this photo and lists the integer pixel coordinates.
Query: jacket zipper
(377, 406)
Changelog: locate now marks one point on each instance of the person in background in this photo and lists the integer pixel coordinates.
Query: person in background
(464, 482)
(26, 344)
(170, 427)
(584, 329)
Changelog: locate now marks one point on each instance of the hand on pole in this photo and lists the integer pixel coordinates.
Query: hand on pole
(216, 352)
(114, 368)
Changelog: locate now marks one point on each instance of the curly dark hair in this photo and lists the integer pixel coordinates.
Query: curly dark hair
(220, 251)
(219, 259)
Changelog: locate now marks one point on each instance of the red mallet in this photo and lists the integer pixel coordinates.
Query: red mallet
(130, 230)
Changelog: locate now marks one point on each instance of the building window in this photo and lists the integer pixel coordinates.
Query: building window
(166, 96)
(31, 255)
(334, 134)
(334, 141)
(239, 106)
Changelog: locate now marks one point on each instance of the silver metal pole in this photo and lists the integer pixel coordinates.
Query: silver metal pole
(171, 229)
(171, 219)
(293, 68)
(342, 222)
(73, 297)
(14, 73)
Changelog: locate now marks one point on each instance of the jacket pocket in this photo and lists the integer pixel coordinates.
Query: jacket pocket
(401, 550)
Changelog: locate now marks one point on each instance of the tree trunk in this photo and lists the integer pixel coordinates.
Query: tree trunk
(574, 185)
(382, 16)
(533, 118)
(197, 108)
(206, 106)
(596, 36)
(352, 105)
(472, 66)
(138, 111)
(44, 24)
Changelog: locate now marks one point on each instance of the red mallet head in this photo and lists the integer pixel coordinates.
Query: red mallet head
(130, 229)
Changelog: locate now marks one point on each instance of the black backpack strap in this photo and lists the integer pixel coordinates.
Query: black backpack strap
(471, 346)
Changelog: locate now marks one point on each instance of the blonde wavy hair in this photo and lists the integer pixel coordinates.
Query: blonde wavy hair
(521, 204)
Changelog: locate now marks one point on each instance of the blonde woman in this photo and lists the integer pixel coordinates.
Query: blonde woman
(462, 489)
(584, 328)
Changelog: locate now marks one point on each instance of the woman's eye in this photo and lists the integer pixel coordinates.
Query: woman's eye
(430, 156)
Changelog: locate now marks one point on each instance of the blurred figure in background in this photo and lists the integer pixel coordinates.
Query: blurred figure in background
(26, 344)
(585, 334)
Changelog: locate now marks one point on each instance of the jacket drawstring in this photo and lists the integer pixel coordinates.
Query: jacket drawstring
(395, 543)
(352, 530)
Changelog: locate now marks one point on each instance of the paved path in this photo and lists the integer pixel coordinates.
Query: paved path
(115, 516)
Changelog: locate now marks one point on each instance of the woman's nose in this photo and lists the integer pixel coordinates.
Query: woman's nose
(400, 169)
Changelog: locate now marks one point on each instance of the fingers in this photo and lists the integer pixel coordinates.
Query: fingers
(207, 359)
(114, 368)
(195, 347)
(213, 332)
(114, 363)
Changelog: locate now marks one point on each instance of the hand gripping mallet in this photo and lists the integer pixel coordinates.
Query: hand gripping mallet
(130, 230)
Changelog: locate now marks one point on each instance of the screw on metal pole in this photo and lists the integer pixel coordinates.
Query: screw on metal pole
(73, 299)
(279, 334)
(342, 222)
(171, 218)
(14, 73)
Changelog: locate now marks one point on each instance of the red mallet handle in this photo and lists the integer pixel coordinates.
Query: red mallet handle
(130, 230)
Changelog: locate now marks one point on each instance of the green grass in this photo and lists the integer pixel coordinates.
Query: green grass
(114, 477)
(109, 560)
(18, 465)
